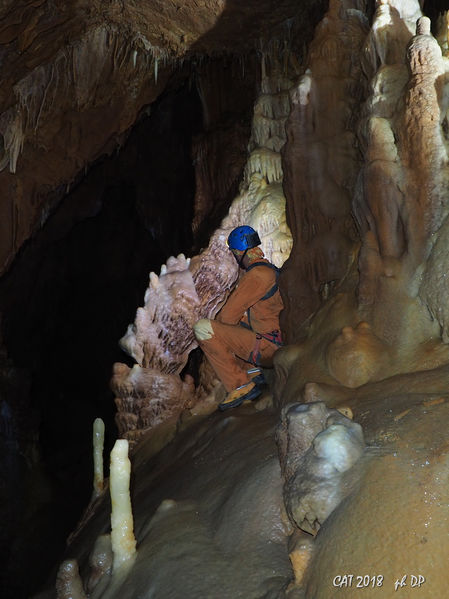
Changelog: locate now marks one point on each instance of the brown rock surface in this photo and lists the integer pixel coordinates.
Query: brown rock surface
(321, 162)
(356, 356)
(395, 525)
(76, 75)
(215, 541)
(366, 178)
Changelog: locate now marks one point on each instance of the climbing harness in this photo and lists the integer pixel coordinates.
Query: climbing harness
(275, 287)
(274, 336)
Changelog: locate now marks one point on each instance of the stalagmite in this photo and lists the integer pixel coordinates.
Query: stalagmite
(122, 524)
(68, 581)
(356, 356)
(100, 561)
(98, 444)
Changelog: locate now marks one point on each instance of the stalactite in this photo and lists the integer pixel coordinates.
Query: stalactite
(266, 162)
(12, 130)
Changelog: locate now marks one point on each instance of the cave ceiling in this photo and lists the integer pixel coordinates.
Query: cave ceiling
(76, 75)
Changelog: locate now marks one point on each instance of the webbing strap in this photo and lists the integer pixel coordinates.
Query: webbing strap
(271, 291)
(273, 337)
(275, 287)
(254, 356)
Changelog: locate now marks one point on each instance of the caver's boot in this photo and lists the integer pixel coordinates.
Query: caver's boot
(256, 375)
(236, 397)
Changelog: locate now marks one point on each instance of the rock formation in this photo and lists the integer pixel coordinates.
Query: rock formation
(356, 356)
(76, 77)
(317, 447)
(186, 290)
(322, 162)
(342, 467)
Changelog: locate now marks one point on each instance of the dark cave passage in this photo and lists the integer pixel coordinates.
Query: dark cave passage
(433, 9)
(66, 301)
(74, 287)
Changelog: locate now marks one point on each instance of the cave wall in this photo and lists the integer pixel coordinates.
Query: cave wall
(71, 317)
(366, 162)
(322, 159)
(365, 168)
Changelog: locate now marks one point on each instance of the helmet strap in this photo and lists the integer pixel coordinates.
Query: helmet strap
(240, 262)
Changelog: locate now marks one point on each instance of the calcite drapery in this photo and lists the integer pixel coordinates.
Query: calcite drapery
(162, 337)
(186, 290)
(321, 162)
(175, 291)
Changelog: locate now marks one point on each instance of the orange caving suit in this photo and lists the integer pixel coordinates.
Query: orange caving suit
(231, 346)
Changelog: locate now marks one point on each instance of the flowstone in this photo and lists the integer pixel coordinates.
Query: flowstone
(196, 538)
(317, 446)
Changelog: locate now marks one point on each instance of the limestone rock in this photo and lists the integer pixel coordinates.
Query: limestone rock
(321, 162)
(317, 447)
(146, 397)
(356, 356)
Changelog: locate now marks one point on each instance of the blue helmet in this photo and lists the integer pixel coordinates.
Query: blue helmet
(243, 238)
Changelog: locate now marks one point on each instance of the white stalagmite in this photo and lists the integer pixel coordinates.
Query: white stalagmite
(98, 445)
(122, 525)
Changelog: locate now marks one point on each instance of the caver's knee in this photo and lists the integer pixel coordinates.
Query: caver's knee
(203, 329)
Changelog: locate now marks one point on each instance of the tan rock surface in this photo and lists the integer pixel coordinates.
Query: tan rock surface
(395, 526)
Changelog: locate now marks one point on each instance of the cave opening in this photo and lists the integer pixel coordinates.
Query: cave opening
(66, 301)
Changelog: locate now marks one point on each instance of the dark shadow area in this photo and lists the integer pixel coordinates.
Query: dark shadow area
(228, 88)
(66, 301)
(433, 9)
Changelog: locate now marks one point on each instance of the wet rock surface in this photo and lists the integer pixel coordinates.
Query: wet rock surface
(317, 447)
(197, 537)
(395, 525)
